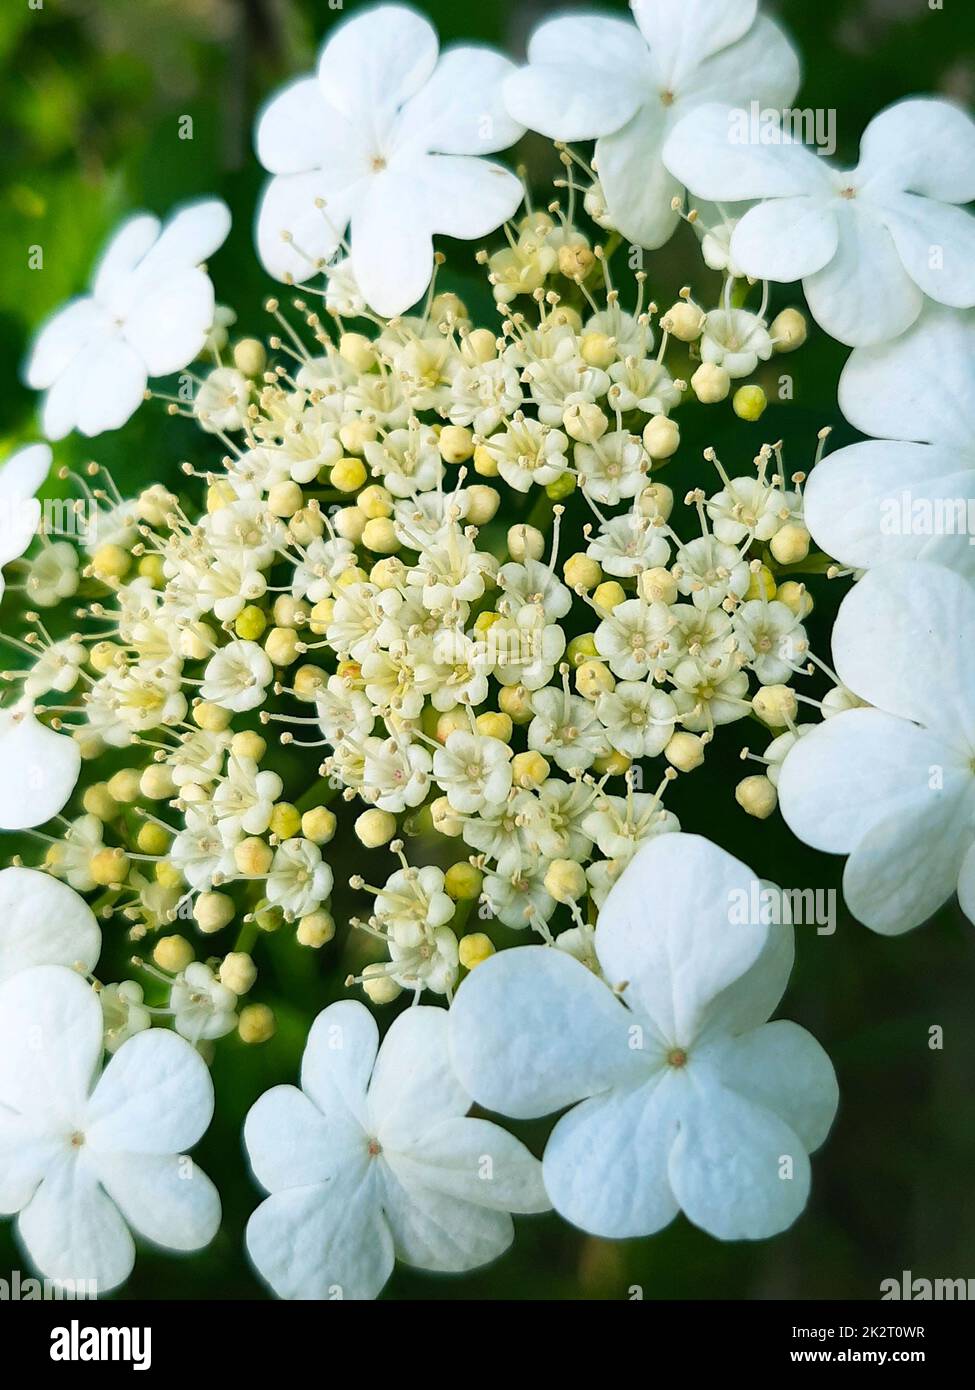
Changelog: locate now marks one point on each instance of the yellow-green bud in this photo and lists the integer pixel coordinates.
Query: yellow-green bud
(316, 930)
(213, 912)
(318, 825)
(749, 402)
(256, 1023)
(475, 949)
(757, 796)
(173, 954)
(462, 882)
(375, 827)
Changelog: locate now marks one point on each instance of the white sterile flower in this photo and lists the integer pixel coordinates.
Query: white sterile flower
(44, 922)
(736, 340)
(908, 494)
(473, 771)
(633, 639)
(612, 468)
(690, 1099)
(528, 649)
(382, 139)
(88, 1154)
(628, 544)
(300, 880)
(771, 639)
(237, 676)
(203, 1008)
(374, 1159)
(40, 768)
(620, 824)
(458, 667)
(534, 582)
(408, 460)
(638, 719)
(244, 798)
(710, 692)
(20, 511)
(229, 584)
(565, 729)
(894, 786)
(859, 239)
(148, 314)
(596, 76)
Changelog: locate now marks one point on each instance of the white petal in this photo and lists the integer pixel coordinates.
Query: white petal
(466, 197)
(154, 1097)
(532, 1030)
(191, 235)
(413, 1086)
(714, 154)
(461, 109)
(762, 65)
(638, 188)
(474, 1161)
(587, 75)
(670, 931)
(392, 245)
(20, 512)
(859, 768)
(936, 245)
(785, 239)
(921, 386)
(738, 1171)
(50, 1043)
(924, 145)
(433, 1231)
(168, 328)
(966, 885)
(904, 640)
(605, 1164)
(324, 1242)
(376, 61)
(783, 1068)
(61, 339)
(164, 1197)
(44, 922)
(124, 252)
(297, 129)
(74, 1232)
(290, 205)
(682, 36)
(886, 500)
(40, 769)
(338, 1060)
(747, 1002)
(27, 1150)
(291, 1144)
(864, 295)
(903, 869)
(101, 389)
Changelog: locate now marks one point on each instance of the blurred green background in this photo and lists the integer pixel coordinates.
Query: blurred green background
(90, 106)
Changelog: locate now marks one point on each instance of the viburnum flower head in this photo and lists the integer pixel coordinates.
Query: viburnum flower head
(595, 77)
(86, 1154)
(867, 243)
(690, 1099)
(374, 1159)
(909, 493)
(382, 141)
(148, 314)
(894, 786)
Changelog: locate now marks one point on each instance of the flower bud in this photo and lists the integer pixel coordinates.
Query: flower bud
(475, 949)
(124, 786)
(444, 817)
(98, 801)
(238, 971)
(379, 536)
(350, 523)
(710, 383)
(685, 751)
(749, 402)
(348, 475)
(213, 912)
(173, 954)
(775, 705)
(355, 435)
(152, 838)
(375, 827)
(516, 703)
(580, 571)
(656, 500)
(598, 350)
(609, 595)
(248, 744)
(790, 544)
(657, 585)
(614, 762)
(462, 882)
(788, 330)
(378, 987)
(585, 422)
(456, 444)
(485, 464)
(282, 646)
(284, 499)
(256, 1024)
(761, 584)
(253, 857)
(250, 623)
(529, 769)
(661, 437)
(316, 930)
(358, 351)
(525, 542)
(478, 347)
(593, 678)
(213, 718)
(795, 596)
(250, 357)
(494, 725)
(156, 782)
(318, 825)
(565, 880)
(482, 504)
(757, 797)
(683, 321)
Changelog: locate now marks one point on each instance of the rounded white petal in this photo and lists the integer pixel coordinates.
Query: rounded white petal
(326, 1241)
(461, 109)
(20, 512)
(936, 245)
(392, 244)
(532, 1030)
(297, 129)
(413, 1086)
(300, 223)
(27, 1151)
(50, 1043)
(164, 1197)
(169, 327)
(59, 341)
(40, 769)
(639, 190)
(437, 1232)
(44, 922)
(290, 1143)
(761, 64)
(124, 251)
(670, 936)
(712, 152)
(101, 389)
(154, 1097)
(375, 61)
(474, 1161)
(864, 295)
(73, 1231)
(785, 239)
(467, 197)
(681, 37)
(738, 1171)
(748, 1001)
(904, 640)
(338, 1060)
(191, 235)
(924, 145)
(605, 1164)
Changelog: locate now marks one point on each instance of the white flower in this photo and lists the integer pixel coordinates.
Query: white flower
(40, 768)
(596, 76)
(861, 240)
(202, 1007)
(690, 1100)
(473, 771)
(20, 512)
(771, 639)
(237, 676)
(123, 1013)
(736, 340)
(382, 139)
(300, 880)
(44, 922)
(374, 1159)
(244, 800)
(148, 314)
(87, 1154)
(638, 718)
(53, 574)
(908, 494)
(894, 786)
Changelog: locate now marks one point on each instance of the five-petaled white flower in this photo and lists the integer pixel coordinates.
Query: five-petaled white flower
(86, 1154)
(868, 243)
(148, 314)
(894, 786)
(20, 511)
(690, 1099)
(909, 493)
(382, 139)
(593, 76)
(44, 922)
(375, 1158)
